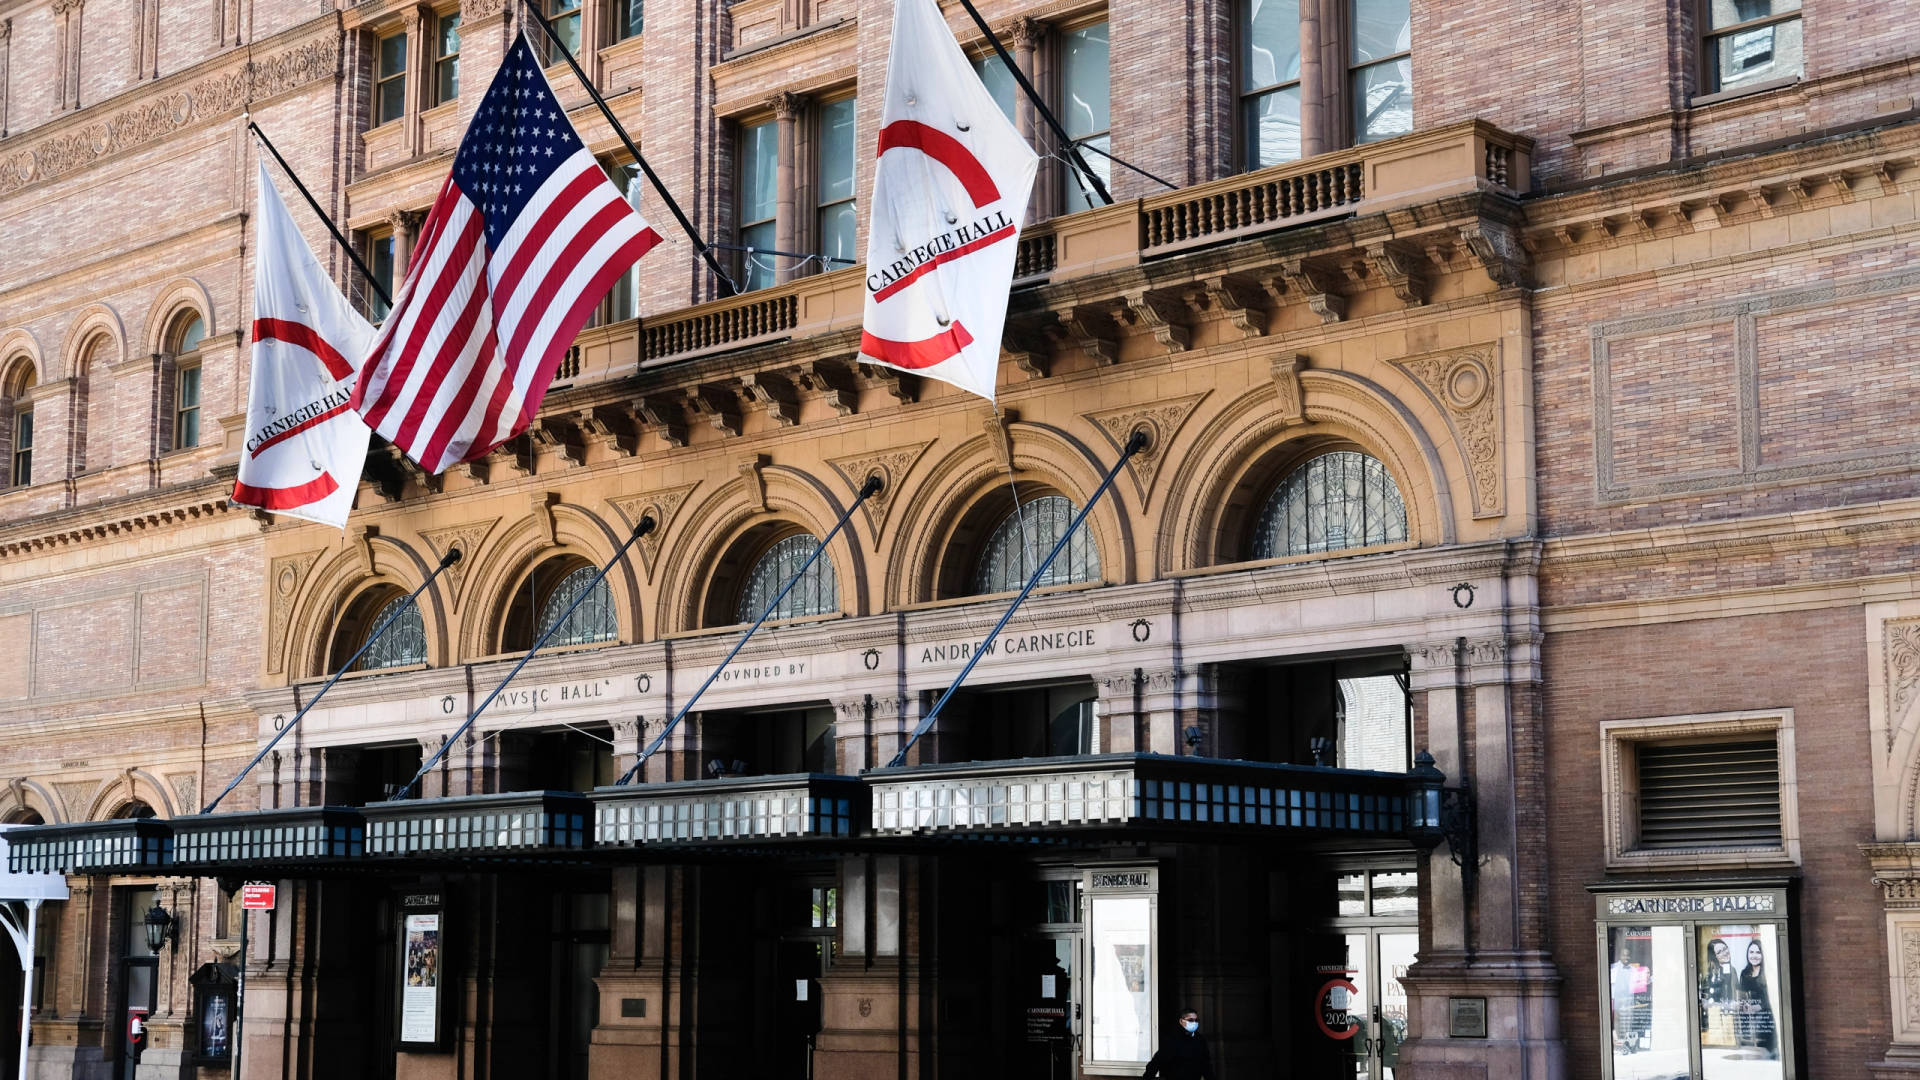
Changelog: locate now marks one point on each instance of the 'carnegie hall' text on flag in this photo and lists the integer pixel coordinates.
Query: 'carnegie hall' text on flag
(949, 195)
(304, 445)
(527, 236)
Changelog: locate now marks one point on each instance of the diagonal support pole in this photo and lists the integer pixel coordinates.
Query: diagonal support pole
(339, 237)
(452, 556)
(646, 526)
(1134, 445)
(1066, 141)
(867, 490)
(706, 249)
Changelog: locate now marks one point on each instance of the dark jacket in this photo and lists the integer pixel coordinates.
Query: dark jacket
(1182, 1057)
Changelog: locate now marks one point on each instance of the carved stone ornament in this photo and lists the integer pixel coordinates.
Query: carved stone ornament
(76, 796)
(472, 11)
(1910, 973)
(1161, 422)
(465, 537)
(183, 792)
(1901, 649)
(662, 505)
(1465, 385)
(1290, 400)
(285, 576)
(891, 465)
(248, 82)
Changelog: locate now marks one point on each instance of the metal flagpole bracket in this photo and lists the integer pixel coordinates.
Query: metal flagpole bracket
(1137, 442)
(706, 249)
(868, 490)
(340, 238)
(452, 556)
(645, 526)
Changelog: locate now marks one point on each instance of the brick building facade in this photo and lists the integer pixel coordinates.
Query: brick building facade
(1542, 372)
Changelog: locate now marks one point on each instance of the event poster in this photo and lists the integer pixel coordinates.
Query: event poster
(1121, 1026)
(420, 980)
(1739, 991)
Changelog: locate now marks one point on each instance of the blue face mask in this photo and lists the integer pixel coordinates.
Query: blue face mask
(1191, 1025)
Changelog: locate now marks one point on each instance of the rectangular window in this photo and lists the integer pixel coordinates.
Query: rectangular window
(22, 472)
(380, 261)
(627, 19)
(446, 60)
(1749, 42)
(565, 17)
(1085, 109)
(1380, 69)
(390, 87)
(833, 183)
(1269, 81)
(999, 81)
(623, 300)
(759, 169)
(186, 408)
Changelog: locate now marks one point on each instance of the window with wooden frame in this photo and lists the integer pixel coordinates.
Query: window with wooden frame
(835, 159)
(1269, 82)
(183, 344)
(564, 17)
(1748, 43)
(378, 249)
(446, 58)
(757, 205)
(623, 299)
(998, 79)
(19, 425)
(628, 19)
(1086, 110)
(1702, 791)
(390, 79)
(1380, 68)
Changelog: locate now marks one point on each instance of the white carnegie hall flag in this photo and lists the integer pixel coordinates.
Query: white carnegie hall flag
(949, 195)
(305, 444)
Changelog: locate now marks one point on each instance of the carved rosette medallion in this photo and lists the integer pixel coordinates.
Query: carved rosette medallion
(662, 505)
(1465, 387)
(467, 538)
(284, 578)
(1161, 423)
(891, 465)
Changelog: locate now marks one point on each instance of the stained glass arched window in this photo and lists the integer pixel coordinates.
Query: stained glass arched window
(594, 620)
(816, 593)
(1340, 500)
(405, 642)
(1007, 561)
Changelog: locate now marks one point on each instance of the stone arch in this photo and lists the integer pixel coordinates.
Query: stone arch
(127, 787)
(180, 295)
(734, 524)
(1242, 451)
(30, 795)
(17, 346)
(374, 563)
(93, 321)
(962, 497)
(516, 551)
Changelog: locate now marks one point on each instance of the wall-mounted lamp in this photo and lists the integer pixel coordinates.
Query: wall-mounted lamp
(162, 928)
(1436, 812)
(1193, 740)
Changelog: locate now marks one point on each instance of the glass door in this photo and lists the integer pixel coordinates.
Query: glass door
(139, 968)
(1363, 1004)
(1048, 966)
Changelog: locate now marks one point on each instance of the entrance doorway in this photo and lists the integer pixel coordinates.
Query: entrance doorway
(1373, 937)
(139, 971)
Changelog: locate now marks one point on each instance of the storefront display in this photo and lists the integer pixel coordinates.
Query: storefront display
(1120, 928)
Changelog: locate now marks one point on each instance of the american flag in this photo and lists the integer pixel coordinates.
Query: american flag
(525, 238)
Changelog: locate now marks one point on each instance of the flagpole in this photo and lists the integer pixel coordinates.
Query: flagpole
(1066, 140)
(366, 274)
(1134, 445)
(646, 526)
(452, 556)
(867, 490)
(706, 249)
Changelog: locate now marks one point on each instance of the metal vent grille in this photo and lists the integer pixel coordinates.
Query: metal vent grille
(1709, 795)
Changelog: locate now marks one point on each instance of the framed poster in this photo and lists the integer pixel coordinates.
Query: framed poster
(423, 971)
(212, 1035)
(1122, 996)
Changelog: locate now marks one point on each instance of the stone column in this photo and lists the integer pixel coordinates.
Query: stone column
(6, 38)
(1024, 39)
(66, 14)
(1313, 103)
(406, 229)
(1896, 869)
(418, 24)
(1119, 711)
(636, 1029)
(787, 108)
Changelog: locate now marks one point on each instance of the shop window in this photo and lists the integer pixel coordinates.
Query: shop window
(1696, 982)
(390, 79)
(1016, 546)
(1747, 43)
(816, 593)
(758, 205)
(1086, 92)
(446, 58)
(1380, 69)
(1333, 502)
(833, 183)
(1700, 791)
(1269, 81)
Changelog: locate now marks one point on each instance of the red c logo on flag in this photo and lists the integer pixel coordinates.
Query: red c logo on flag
(946, 150)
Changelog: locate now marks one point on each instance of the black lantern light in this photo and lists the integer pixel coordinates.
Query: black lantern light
(160, 926)
(1423, 802)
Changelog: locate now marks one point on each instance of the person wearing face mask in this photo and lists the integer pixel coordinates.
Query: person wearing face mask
(1184, 1055)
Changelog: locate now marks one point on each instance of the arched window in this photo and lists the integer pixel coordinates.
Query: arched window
(816, 593)
(405, 642)
(16, 424)
(25, 815)
(1332, 502)
(133, 809)
(594, 620)
(181, 419)
(1024, 538)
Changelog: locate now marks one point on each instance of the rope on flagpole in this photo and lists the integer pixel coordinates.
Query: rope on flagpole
(706, 249)
(1136, 443)
(366, 274)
